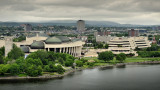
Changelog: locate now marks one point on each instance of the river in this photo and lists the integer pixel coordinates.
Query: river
(130, 77)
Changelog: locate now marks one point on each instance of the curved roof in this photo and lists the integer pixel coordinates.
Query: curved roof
(57, 40)
(63, 38)
(53, 40)
(74, 40)
(37, 45)
(25, 49)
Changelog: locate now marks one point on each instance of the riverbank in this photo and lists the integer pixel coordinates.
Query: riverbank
(45, 76)
(48, 76)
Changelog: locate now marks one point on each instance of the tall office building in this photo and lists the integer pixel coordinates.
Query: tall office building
(102, 33)
(80, 25)
(133, 33)
(27, 27)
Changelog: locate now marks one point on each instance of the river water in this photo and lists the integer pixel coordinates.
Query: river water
(130, 77)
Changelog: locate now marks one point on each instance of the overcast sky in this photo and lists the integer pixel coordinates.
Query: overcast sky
(122, 11)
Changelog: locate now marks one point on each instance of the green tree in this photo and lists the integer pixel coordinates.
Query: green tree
(14, 69)
(1, 58)
(15, 53)
(40, 54)
(154, 47)
(53, 67)
(60, 69)
(21, 62)
(2, 51)
(79, 63)
(64, 56)
(90, 64)
(106, 56)
(69, 62)
(106, 46)
(100, 45)
(61, 60)
(3, 68)
(31, 61)
(51, 56)
(19, 39)
(121, 57)
(46, 68)
(83, 60)
(34, 70)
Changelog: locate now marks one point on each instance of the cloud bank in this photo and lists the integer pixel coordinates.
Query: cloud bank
(143, 12)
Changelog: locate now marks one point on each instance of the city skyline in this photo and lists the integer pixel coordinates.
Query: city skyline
(143, 12)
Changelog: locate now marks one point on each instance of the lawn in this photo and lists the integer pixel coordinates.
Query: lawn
(91, 58)
(131, 59)
(138, 59)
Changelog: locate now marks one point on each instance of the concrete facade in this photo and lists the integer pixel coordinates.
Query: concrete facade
(127, 45)
(73, 47)
(105, 39)
(8, 45)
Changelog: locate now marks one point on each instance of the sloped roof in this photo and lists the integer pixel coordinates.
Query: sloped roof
(53, 40)
(57, 40)
(37, 45)
(25, 49)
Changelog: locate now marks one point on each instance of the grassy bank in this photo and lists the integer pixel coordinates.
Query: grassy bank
(114, 61)
(139, 59)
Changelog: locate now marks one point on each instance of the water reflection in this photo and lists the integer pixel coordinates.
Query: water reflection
(111, 67)
(121, 66)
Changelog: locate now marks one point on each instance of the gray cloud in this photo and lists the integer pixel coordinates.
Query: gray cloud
(122, 11)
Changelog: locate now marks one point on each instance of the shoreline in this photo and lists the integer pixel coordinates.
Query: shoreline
(73, 70)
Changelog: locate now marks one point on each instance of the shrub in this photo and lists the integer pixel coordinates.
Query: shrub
(149, 53)
(60, 69)
(46, 68)
(69, 62)
(90, 64)
(52, 68)
(84, 60)
(79, 63)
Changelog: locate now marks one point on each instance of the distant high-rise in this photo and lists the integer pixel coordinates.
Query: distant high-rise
(81, 25)
(133, 33)
(102, 33)
(27, 27)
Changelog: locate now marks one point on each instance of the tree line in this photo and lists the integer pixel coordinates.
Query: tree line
(35, 64)
(153, 51)
(108, 56)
